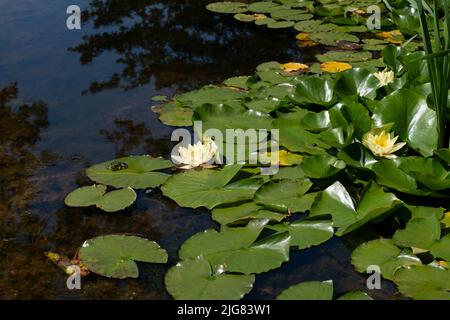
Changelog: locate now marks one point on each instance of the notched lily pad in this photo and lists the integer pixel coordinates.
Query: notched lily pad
(115, 256)
(96, 195)
(195, 279)
(137, 172)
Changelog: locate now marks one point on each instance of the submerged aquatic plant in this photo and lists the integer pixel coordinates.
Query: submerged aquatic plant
(197, 155)
(382, 144)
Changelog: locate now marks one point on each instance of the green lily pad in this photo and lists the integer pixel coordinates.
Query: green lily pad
(441, 248)
(291, 15)
(311, 290)
(263, 6)
(384, 254)
(419, 233)
(237, 82)
(212, 95)
(136, 172)
(345, 56)
(244, 17)
(413, 120)
(307, 25)
(429, 172)
(114, 256)
(96, 196)
(390, 175)
(355, 295)
(227, 7)
(321, 166)
(194, 279)
(359, 82)
(223, 117)
(424, 283)
(208, 188)
(181, 117)
(236, 249)
(315, 90)
(337, 202)
(332, 38)
(307, 233)
(246, 211)
(280, 24)
(285, 196)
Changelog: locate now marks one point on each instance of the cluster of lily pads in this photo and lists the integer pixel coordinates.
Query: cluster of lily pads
(336, 24)
(358, 147)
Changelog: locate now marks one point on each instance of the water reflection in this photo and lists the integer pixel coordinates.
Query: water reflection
(177, 42)
(21, 125)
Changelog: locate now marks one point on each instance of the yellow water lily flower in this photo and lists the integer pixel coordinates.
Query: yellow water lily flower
(294, 66)
(382, 144)
(197, 155)
(385, 77)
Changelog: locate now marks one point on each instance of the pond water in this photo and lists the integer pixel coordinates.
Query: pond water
(70, 99)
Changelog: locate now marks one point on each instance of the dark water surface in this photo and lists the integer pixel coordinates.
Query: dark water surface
(70, 99)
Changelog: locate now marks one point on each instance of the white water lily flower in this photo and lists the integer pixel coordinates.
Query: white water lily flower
(382, 144)
(197, 155)
(385, 77)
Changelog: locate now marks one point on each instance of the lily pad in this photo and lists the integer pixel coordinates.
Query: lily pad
(355, 295)
(413, 120)
(208, 188)
(285, 196)
(227, 7)
(236, 249)
(115, 256)
(311, 290)
(307, 233)
(419, 233)
(424, 283)
(337, 202)
(246, 211)
(96, 196)
(321, 166)
(384, 254)
(194, 279)
(136, 172)
(345, 56)
(332, 38)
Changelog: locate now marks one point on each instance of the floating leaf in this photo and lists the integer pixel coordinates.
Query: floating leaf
(424, 282)
(321, 166)
(208, 188)
(236, 249)
(227, 7)
(114, 256)
(194, 279)
(419, 233)
(334, 66)
(383, 254)
(136, 172)
(336, 201)
(359, 82)
(355, 295)
(246, 211)
(344, 56)
(96, 196)
(294, 67)
(413, 120)
(331, 38)
(285, 196)
(307, 233)
(311, 290)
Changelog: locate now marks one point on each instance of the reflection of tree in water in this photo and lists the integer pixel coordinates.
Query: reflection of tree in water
(20, 129)
(175, 42)
(130, 137)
